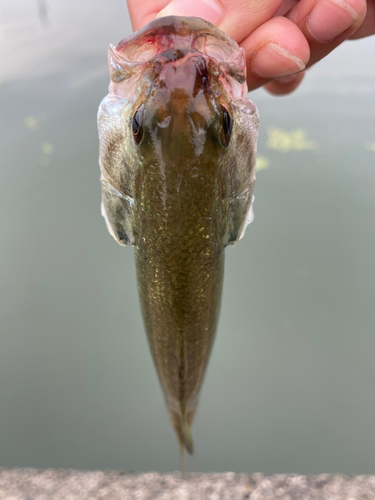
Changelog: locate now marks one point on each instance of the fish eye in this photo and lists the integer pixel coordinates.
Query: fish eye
(137, 124)
(226, 126)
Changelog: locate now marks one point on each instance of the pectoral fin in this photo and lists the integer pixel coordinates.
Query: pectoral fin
(240, 215)
(118, 211)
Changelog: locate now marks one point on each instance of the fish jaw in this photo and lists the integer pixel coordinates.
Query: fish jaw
(161, 39)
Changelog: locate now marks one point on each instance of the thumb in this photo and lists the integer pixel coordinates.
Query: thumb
(237, 18)
(209, 10)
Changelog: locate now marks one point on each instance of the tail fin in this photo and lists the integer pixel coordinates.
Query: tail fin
(181, 425)
(188, 438)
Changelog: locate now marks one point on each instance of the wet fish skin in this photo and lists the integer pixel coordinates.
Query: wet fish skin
(182, 194)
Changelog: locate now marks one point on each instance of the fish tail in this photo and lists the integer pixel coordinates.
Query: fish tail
(181, 423)
(188, 438)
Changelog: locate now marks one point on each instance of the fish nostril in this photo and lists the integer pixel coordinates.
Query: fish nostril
(202, 67)
(201, 70)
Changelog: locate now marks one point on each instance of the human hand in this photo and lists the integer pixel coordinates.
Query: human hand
(281, 38)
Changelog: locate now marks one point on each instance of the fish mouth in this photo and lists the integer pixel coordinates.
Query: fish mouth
(174, 32)
(173, 38)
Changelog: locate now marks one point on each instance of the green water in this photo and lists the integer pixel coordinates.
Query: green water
(290, 384)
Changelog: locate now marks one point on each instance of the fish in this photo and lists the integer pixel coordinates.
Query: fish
(178, 139)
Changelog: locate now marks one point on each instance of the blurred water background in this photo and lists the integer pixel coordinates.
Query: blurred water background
(290, 384)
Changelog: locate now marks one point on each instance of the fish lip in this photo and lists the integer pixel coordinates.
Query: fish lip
(176, 26)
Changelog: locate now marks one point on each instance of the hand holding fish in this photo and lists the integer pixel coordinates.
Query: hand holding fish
(281, 38)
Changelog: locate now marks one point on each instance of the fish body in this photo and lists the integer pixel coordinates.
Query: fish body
(178, 158)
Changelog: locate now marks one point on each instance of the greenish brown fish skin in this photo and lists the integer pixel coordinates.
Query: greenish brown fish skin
(179, 193)
(180, 262)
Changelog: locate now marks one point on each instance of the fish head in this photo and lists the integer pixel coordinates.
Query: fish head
(177, 101)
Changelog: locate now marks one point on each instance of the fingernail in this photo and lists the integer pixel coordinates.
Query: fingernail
(206, 9)
(285, 80)
(330, 18)
(273, 61)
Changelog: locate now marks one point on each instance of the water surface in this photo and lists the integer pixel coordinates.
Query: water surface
(290, 384)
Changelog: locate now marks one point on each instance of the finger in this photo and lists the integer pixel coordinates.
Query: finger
(285, 84)
(144, 11)
(275, 49)
(285, 7)
(367, 28)
(238, 18)
(327, 23)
